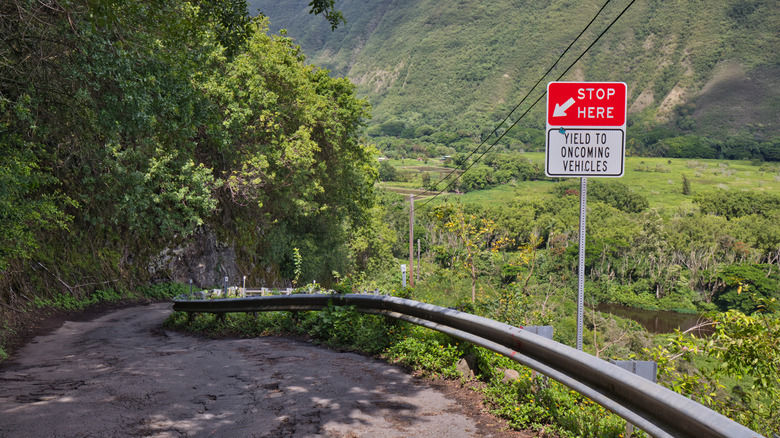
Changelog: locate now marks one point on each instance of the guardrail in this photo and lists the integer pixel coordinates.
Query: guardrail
(651, 407)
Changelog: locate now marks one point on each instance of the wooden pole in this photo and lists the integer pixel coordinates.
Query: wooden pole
(418, 259)
(411, 240)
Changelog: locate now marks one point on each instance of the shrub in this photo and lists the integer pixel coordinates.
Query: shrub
(425, 350)
(164, 290)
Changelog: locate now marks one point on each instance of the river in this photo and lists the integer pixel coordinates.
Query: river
(655, 321)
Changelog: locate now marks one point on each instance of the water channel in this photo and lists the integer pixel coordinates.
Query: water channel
(655, 321)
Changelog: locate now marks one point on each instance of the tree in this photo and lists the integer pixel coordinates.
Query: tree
(688, 147)
(97, 115)
(613, 193)
(610, 236)
(651, 255)
(475, 235)
(686, 186)
(426, 180)
(424, 130)
(762, 233)
(387, 172)
(744, 286)
(701, 243)
(743, 348)
(392, 128)
(230, 21)
(477, 178)
(328, 9)
(21, 211)
(371, 244)
(286, 144)
(734, 204)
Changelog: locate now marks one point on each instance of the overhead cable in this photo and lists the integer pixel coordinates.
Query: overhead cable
(526, 96)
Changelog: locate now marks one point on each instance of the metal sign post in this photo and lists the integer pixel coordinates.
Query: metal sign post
(581, 281)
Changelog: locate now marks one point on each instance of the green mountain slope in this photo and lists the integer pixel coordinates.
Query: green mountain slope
(711, 67)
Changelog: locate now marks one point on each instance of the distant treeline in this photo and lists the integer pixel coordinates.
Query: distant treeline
(399, 139)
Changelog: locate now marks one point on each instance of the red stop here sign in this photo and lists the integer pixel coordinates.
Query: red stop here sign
(572, 104)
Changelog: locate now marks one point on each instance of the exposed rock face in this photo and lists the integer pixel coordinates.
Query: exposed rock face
(205, 261)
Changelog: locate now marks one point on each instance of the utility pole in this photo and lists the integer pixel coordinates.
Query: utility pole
(418, 259)
(411, 240)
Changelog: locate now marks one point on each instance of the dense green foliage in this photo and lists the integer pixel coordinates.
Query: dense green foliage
(100, 123)
(613, 193)
(66, 302)
(738, 204)
(734, 369)
(387, 172)
(287, 149)
(125, 126)
(494, 170)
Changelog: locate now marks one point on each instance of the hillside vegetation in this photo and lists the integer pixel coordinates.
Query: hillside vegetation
(705, 67)
(145, 142)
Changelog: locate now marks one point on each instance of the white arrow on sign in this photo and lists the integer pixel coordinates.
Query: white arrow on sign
(560, 110)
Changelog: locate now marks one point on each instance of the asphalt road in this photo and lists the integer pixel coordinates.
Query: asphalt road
(122, 375)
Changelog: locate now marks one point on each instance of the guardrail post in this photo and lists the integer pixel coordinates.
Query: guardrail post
(646, 369)
(545, 331)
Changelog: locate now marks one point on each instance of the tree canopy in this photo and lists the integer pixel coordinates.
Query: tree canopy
(132, 123)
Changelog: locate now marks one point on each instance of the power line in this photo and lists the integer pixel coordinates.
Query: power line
(532, 88)
(528, 94)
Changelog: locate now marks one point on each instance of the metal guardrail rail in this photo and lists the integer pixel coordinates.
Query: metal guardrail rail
(650, 407)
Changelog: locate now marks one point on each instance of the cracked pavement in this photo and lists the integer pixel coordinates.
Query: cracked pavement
(122, 375)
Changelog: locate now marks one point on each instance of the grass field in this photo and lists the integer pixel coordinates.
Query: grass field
(660, 179)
